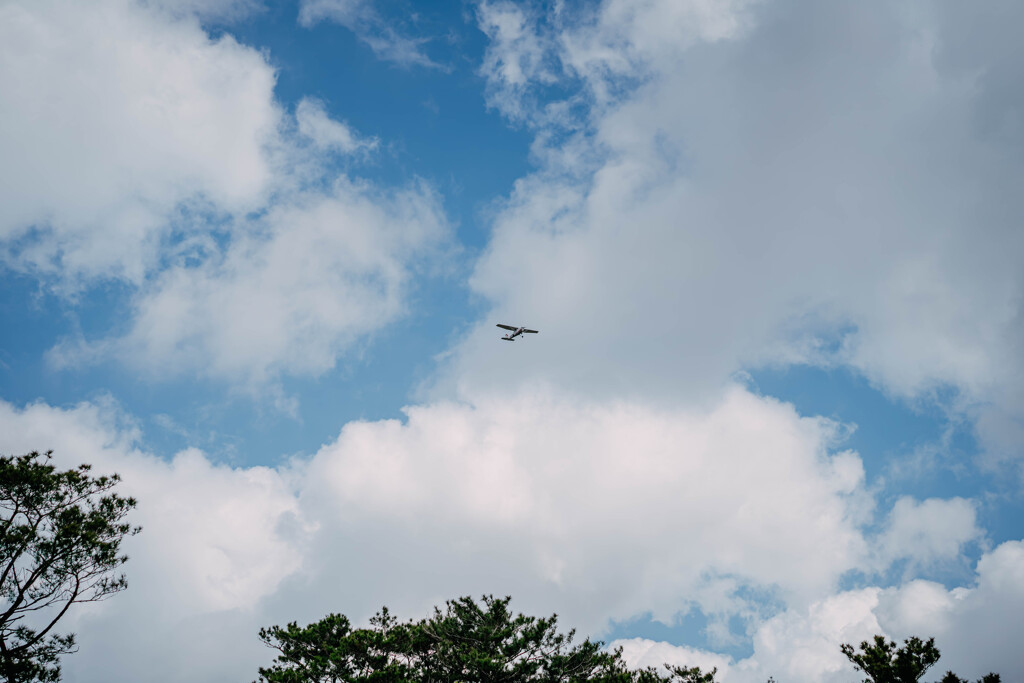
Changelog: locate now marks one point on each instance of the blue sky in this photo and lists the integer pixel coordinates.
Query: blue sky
(253, 254)
(471, 154)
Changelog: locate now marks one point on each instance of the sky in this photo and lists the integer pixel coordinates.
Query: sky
(253, 252)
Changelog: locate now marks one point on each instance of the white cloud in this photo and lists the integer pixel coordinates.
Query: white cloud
(984, 624)
(643, 653)
(803, 645)
(789, 183)
(975, 629)
(518, 55)
(598, 512)
(326, 133)
(618, 38)
(630, 37)
(611, 509)
(928, 531)
(360, 17)
(113, 114)
(129, 132)
(217, 10)
(919, 607)
(344, 12)
(216, 538)
(289, 295)
(727, 211)
(216, 542)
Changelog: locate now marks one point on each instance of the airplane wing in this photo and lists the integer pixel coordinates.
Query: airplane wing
(531, 331)
(507, 327)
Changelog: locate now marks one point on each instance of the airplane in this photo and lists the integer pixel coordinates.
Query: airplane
(516, 331)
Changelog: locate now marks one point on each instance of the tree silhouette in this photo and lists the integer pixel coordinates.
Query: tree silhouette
(466, 642)
(951, 677)
(60, 539)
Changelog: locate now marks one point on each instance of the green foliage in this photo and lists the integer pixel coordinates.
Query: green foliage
(951, 677)
(883, 662)
(471, 642)
(676, 674)
(60, 539)
(682, 674)
(330, 650)
(467, 642)
(487, 642)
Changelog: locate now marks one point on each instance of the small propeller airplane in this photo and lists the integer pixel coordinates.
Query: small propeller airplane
(516, 331)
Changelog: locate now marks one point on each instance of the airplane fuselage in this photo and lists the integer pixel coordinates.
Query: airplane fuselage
(514, 331)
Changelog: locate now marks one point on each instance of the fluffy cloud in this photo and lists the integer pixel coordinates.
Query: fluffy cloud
(609, 509)
(566, 508)
(600, 512)
(114, 113)
(516, 58)
(974, 628)
(929, 531)
(621, 39)
(289, 294)
(137, 148)
(747, 184)
(216, 538)
(643, 653)
(216, 541)
(764, 183)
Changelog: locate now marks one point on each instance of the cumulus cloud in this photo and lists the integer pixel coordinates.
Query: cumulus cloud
(643, 653)
(114, 113)
(137, 148)
(974, 628)
(288, 295)
(733, 185)
(599, 512)
(928, 531)
(216, 541)
(566, 507)
(612, 509)
(785, 183)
